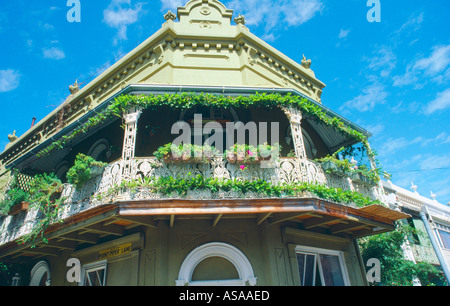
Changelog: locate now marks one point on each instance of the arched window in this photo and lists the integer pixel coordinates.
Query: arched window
(100, 150)
(203, 256)
(40, 274)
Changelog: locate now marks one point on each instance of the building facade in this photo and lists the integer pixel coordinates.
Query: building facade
(430, 219)
(152, 218)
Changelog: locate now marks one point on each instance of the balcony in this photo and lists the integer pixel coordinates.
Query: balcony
(287, 171)
(424, 254)
(105, 188)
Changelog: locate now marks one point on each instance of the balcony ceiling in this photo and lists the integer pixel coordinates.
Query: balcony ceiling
(332, 138)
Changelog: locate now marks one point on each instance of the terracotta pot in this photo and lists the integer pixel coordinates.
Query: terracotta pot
(231, 157)
(18, 208)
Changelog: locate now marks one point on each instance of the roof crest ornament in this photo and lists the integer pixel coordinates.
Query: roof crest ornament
(240, 20)
(74, 88)
(12, 137)
(306, 63)
(170, 16)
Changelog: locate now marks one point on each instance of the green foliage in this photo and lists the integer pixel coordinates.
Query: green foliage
(247, 153)
(185, 152)
(185, 101)
(81, 171)
(180, 186)
(13, 197)
(45, 194)
(395, 269)
(333, 164)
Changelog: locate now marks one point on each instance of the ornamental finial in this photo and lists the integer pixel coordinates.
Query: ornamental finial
(306, 63)
(170, 16)
(240, 20)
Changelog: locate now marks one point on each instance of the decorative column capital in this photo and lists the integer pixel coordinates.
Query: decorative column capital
(132, 115)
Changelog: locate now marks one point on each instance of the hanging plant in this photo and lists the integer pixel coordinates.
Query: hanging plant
(188, 100)
(84, 169)
(44, 194)
(15, 201)
(185, 153)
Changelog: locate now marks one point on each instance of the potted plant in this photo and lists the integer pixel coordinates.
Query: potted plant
(84, 169)
(365, 176)
(16, 200)
(185, 153)
(333, 165)
(242, 153)
(269, 152)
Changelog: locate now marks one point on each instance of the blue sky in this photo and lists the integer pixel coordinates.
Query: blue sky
(391, 77)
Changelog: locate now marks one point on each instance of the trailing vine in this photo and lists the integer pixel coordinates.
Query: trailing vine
(45, 196)
(181, 186)
(185, 101)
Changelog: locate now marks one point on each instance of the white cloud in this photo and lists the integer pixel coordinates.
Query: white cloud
(383, 60)
(441, 102)
(437, 62)
(393, 145)
(433, 66)
(413, 24)
(172, 4)
(268, 13)
(53, 53)
(343, 33)
(276, 14)
(9, 80)
(119, 15)
(406, 79)
(372, 95)
(435, 162)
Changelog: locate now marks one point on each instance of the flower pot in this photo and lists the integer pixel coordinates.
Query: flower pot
(173, 159)
(331, 167)
(252, 160)
(231, 157)
(240, 157)
(265, 157)
(360, 178)
(18, 208)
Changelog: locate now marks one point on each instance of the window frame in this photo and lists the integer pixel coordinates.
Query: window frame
(95, 266)
(440, 233)
(304, 250)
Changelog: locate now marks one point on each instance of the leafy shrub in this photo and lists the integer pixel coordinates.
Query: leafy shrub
(81, 171)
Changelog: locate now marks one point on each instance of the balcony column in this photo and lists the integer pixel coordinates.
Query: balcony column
(295, 117)
(131, 118)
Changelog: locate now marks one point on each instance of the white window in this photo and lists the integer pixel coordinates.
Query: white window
(320, 267)
(40, 274)
(94, 274)
(445, 239)
(221, 250)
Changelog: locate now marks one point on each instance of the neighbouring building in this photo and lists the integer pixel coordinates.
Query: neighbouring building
(145, 219)
(424, 212)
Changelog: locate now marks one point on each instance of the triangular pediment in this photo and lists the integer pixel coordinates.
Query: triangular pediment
(205, 47)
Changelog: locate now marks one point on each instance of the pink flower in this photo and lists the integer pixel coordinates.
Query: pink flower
(242, 167)
(249, 153)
